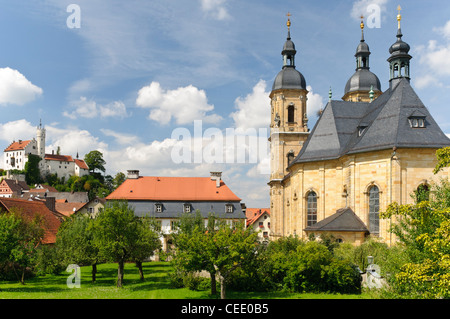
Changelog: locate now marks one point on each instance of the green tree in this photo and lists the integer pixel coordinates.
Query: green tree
(147, 243)
(217, 248)
(118, 179)
(95, 161)
(75, 243)
(424, 230)
(118, 234)
(27, 237)
(32, 172)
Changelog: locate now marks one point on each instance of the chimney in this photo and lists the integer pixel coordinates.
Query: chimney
(132, 174)
(216, 176)
(50, 203)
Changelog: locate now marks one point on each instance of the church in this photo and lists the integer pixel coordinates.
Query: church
(367, 150)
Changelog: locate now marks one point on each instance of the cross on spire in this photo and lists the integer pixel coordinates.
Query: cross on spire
(289, 20)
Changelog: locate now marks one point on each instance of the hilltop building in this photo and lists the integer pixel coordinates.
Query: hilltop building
(16, 155)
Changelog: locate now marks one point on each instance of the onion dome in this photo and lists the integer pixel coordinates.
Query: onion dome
(289, 77)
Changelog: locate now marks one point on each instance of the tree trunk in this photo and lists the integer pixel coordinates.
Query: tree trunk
(222, 288)
(213, 283)
(120, 274)
(22, 280)
(141, 273)
(94, 272)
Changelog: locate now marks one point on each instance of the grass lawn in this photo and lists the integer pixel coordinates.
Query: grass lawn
(155, 286)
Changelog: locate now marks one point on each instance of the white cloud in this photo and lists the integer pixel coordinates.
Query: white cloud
(444, 31)
(72, 141)
(185, 104)
(216, 8)
(314, 102)
(365, 8)
(91, 109)
(434, 60)
(253, 111)
(15, 130)
(121, 138)
(15, 88)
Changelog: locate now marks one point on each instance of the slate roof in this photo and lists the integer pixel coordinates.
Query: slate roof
(386, 124)
(343, 220)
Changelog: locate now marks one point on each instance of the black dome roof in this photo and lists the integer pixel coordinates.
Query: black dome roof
(289, 78)
(363, 80)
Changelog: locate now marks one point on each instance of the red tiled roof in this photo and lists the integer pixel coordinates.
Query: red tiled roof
(16, 146)
(82, 164)
(173, 188)
(29, 208)
(67, 209)
(253, 214)
(62, 158)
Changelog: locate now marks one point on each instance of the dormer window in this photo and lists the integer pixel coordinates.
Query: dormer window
(187, 208)
(417, 120)
(158, 208)
(229, 208)
(361, 129)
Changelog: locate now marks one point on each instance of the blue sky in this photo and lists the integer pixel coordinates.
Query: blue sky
(135, 71)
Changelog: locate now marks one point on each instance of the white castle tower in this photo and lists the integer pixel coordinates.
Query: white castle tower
(40, 139)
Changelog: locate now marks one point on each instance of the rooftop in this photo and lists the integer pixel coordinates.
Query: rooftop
(173, 188)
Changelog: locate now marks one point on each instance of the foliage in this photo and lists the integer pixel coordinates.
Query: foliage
(48, 261)
(118, 235)
(424, 229)
(32, 172)
(75, 242)
(19, 239)
(94, 160)
(443, 157)
(217, 248)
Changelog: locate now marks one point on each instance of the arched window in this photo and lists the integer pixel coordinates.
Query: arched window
(374, 210)
(422, 193)
(290, 157)
(291, 111)
(311, 208)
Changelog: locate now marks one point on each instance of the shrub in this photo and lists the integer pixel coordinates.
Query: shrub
(341, 276)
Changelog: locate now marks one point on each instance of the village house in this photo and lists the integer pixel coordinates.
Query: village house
(31, 208)
(13, 188)
(167, 198)
(259, 220)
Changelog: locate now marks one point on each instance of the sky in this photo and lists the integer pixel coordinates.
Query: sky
(167, 87)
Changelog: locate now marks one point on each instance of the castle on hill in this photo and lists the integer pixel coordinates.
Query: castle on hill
(16, 155)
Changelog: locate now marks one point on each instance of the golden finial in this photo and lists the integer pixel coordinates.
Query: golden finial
(399, 16)
(362, 22)
(289, 20)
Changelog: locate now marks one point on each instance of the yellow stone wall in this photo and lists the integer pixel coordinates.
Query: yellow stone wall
(346, 181)
(360, 96)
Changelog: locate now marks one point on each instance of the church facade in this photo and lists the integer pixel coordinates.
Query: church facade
(366, 151)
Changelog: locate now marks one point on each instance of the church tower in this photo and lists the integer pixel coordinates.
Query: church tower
(363, 86)
(399, 59)
(288, 126)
